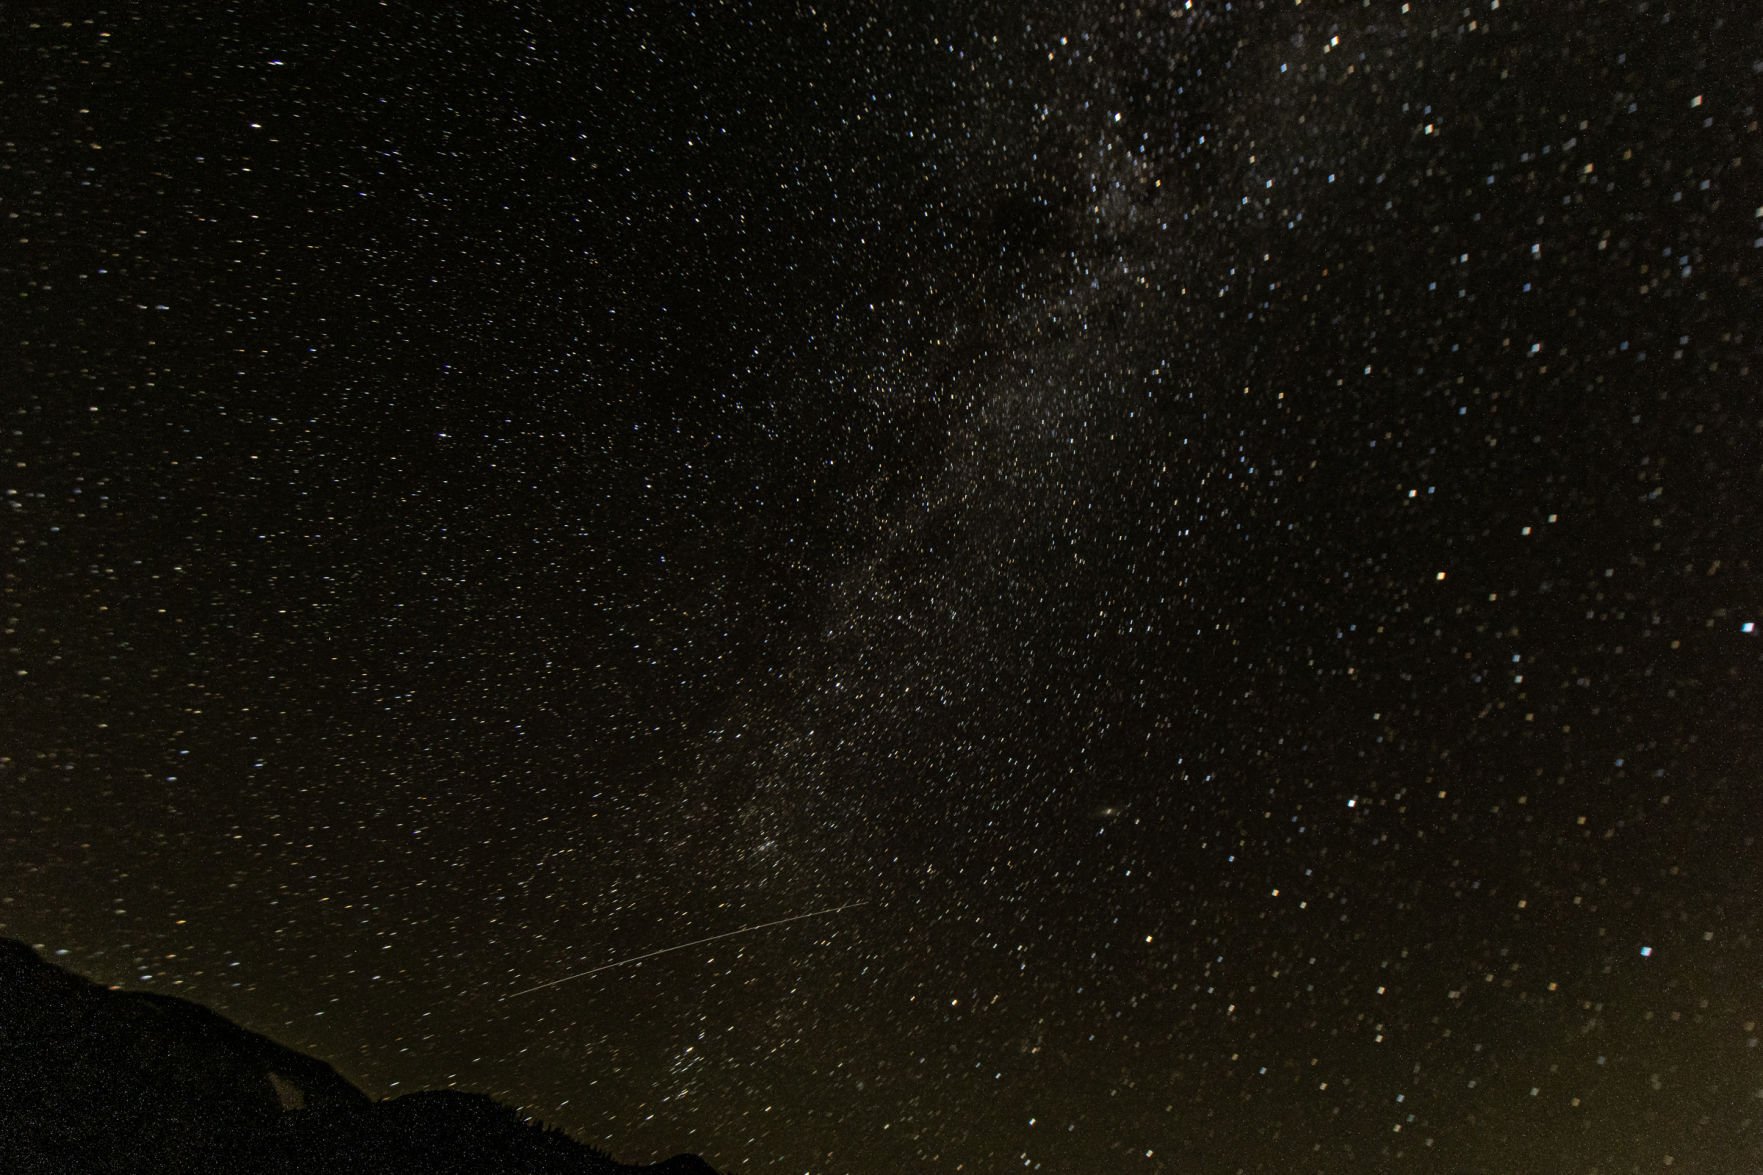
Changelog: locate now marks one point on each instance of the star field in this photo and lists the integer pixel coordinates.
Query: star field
(1230, 527)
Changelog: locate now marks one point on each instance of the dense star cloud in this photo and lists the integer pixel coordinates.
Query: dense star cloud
(1230, 527)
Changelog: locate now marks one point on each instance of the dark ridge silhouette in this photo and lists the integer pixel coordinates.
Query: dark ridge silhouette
(95, 1080)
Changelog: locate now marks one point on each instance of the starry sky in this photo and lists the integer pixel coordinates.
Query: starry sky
(1230, 527)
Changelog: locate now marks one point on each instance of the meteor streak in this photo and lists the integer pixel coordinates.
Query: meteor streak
(682, 946)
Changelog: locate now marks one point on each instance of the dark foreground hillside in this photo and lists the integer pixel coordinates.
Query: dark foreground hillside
(112, 1081)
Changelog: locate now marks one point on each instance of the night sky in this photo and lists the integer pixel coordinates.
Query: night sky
(1232, 527)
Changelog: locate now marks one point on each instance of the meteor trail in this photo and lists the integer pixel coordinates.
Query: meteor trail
(682, 946)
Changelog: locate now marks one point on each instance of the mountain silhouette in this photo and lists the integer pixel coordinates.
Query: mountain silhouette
(95, 1080)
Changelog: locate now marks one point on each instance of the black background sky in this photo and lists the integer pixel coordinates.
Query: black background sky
(1232, 527)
